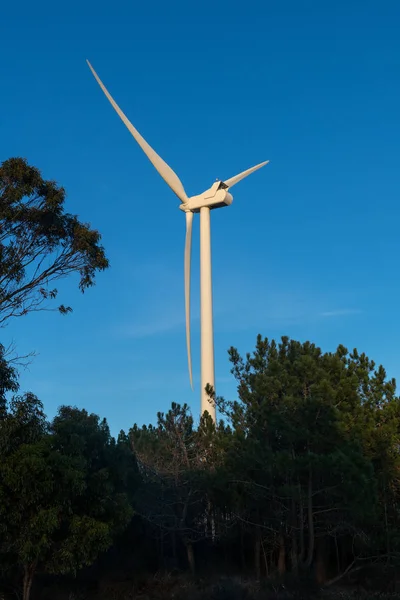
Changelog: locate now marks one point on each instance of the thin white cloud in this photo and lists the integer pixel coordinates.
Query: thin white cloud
(160, 308)
(152, 327)
(152, 323)
(240, 303)
(341, 312)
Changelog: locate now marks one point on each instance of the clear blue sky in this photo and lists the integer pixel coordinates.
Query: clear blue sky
(310, 246)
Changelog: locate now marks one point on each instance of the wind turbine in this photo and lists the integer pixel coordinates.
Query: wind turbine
(217, 196)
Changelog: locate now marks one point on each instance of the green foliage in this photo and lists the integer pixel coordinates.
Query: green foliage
(62, 500)
(171, 456)
(303, 470)
(39, 242)
(313, 435)
(297, 485)
(8, 378)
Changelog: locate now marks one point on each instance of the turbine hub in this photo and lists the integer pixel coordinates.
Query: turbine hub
(184, 207)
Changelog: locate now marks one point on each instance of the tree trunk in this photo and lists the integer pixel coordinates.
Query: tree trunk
(386, 524)
(281, 556)
(257, 553)
(337, 556)
(242, 552)
(320, 561)
(294, 558)
(311, 535)
(29, 571)
(301, 519)
(265, 559)
(161, 547)
(211, 519)
(190, 557)
(174, 553)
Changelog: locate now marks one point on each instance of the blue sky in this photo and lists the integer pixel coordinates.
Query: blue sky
(310, 246)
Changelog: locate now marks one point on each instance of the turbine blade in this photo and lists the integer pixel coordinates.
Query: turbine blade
(188, 251)
(169, 176)
(234, 180)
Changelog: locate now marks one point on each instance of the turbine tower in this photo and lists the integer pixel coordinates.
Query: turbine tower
(217, 196)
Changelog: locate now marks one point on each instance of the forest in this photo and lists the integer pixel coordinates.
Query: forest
(294, 493)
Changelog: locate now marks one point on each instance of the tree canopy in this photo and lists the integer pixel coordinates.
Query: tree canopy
(62, 499)
(39, 242)
(300, 479)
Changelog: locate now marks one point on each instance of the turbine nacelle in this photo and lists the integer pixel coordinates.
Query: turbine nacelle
(215, 197)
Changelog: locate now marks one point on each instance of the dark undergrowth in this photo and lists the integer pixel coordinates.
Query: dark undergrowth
(167, 586)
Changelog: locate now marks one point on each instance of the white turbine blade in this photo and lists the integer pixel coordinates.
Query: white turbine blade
(169, 176)
(234, 180)
(188, 251)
